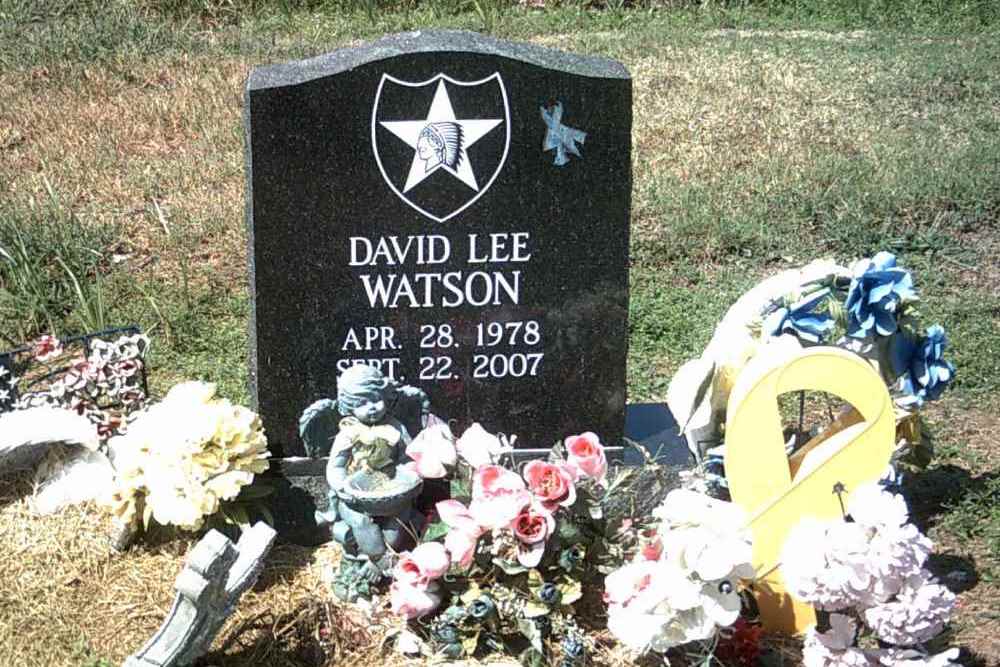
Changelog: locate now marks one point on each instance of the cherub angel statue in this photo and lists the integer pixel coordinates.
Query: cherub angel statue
(371, 493)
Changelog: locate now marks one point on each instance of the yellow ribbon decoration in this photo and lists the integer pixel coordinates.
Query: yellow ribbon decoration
(778, 491)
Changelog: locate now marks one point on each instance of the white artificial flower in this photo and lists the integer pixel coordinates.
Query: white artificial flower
(683, 508)
(478, 447)
(871, 505)
(835, 647)
(918, 613)
(227, 485)
(653, 606)
(692, 589)
(896, 554)
(192, 393)
(695, 624)
(836, 564)
(721, 603)
(704, 535)
(708, 554)
(643, 632)
(825, 563)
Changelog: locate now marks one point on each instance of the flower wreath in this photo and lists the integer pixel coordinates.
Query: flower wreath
(868, 309)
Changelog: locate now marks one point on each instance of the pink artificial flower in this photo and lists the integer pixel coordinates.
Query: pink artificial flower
(456, 515)
(432, 450)
(497, 496)
(86, 372)
(46, 348)
(125, 368)
(652, 548)
(412, 602)
(478, 447)
(552, 484)
(465, 532)
(532, 527)
(586, 455)
(630, 582)
(461, 545)
(420, 567)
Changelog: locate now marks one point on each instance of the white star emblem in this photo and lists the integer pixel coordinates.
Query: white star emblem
(441, 111)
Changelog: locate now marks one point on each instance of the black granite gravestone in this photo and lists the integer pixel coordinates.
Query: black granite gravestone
(453, 209)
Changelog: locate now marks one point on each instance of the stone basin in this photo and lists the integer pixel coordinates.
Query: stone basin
(375, 494)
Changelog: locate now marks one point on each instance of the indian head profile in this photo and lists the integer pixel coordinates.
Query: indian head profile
(440, 144)
(448, 154)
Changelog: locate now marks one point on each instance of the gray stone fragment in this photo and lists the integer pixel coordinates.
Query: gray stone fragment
(216, 574)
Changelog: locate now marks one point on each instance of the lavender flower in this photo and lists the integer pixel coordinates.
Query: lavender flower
(876, 292)
(835, 647)
(835, 565)
(920, 364)
(801, 320)
(919, 612)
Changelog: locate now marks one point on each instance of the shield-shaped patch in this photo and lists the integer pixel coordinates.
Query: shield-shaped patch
(441, 143)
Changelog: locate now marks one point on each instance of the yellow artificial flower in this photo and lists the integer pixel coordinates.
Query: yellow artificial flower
(185, 455)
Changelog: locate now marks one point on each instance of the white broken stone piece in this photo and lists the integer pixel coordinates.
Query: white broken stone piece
(61, 447)
(209, 587)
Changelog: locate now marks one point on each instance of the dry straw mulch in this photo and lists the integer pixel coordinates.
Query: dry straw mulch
(65, 599)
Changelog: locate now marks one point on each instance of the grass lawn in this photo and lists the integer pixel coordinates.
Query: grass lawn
(765, 135)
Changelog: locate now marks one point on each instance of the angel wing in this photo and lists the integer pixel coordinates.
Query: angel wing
(318, 426)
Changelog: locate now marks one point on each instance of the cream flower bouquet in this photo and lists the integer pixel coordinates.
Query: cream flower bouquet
(182, 457)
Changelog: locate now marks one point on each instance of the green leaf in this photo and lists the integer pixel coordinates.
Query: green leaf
(510, 568)
(460, 489)
(532, 657)
(569, 532)
(147, 515)
(236, 515)
(435, 531)
(534, 609)
(535, 580)
(572, 590)
(531, 633)
(470, 642)
(256, 491)
(267, 514)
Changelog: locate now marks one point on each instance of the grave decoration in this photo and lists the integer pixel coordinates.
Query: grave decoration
(215, 576)
(868, 309)
(853, 333)
(101, 376)
(372, 494)
(453, 210)
(868, 572)
(778, 490)
(182, 459)
(509, 554)
(60, 402)
(685, 584)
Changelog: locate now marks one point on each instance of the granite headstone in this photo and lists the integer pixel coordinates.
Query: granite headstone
(454, 209)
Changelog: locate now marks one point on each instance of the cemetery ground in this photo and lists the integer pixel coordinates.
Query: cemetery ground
(762, 140)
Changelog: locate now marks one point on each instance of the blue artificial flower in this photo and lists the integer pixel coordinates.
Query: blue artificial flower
(876, 290)
(921, 365)
(800, 319)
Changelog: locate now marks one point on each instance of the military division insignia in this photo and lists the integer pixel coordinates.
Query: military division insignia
(440, 143)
